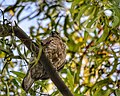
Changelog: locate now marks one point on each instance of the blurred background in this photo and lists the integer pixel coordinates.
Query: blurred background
(91, 31)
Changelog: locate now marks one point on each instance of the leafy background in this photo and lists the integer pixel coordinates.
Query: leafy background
(91, 31)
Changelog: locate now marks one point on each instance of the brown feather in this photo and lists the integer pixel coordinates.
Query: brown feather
(54, 49)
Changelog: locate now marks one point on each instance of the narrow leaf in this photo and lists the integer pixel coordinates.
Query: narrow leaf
(8, 93)
(104, 35)
(115, 21)
(19, 74)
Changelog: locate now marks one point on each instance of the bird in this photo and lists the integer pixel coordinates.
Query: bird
(55, 50)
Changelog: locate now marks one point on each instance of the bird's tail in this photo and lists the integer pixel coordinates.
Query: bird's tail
(27, 82)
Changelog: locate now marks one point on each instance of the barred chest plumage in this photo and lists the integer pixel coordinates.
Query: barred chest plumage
(54, 49)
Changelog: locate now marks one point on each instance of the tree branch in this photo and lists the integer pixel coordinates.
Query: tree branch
(43, 59)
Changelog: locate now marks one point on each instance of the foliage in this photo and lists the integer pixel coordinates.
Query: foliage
(91, 30)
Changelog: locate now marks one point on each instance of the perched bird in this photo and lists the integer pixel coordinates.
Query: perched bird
(54, 49)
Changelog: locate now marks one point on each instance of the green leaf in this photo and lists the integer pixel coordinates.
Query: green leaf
(85, 36)
(104, 35)
(8, 93)
(117, 91)
(70, 79)
(90, 29)
(15, 83)
(97, 88)
(115, 21)
(91, 26)
(114, 66)
(101, 83)
(92, 48)
(73, 47)
(66, 22)
(89, 10)
(19, 74)
(73, 6)
(102, 92)
(80, 13)
(94, 12)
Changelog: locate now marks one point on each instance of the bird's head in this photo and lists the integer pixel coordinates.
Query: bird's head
(55, 34)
